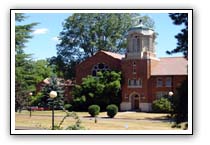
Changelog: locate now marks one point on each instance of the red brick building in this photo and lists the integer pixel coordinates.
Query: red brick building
(145, 77)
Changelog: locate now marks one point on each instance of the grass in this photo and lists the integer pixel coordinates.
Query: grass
(122, 121)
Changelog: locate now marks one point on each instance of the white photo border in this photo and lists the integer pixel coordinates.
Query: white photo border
(13, 131)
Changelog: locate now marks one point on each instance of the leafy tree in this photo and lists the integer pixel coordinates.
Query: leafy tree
(101, 90)
(41, 70)
(22, 62)
(85, 34)
(182, 37)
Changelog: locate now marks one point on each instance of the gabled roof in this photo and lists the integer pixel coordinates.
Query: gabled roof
(114, 55)
(170, 66)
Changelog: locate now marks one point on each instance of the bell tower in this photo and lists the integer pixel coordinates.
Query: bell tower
(141, 42)
(136, 68)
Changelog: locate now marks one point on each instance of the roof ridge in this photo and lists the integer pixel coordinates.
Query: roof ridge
(113, 54)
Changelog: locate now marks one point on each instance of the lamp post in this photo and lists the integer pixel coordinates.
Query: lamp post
(53, 94)
(30, 94)
(171, 100)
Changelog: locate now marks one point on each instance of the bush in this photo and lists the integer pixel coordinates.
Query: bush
(162, 105)
(68, 107)
(94, 110)
(112, 110)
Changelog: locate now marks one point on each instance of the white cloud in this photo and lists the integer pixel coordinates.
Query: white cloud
(40, 31)
(56, 39)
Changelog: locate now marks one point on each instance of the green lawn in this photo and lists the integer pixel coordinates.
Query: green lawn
(122, 121)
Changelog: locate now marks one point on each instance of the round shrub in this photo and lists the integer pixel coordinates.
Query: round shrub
(94, 110)
(162, 105)
(112, 110)
(68, 107)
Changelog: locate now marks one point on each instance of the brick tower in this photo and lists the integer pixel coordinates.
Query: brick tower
(136, 67)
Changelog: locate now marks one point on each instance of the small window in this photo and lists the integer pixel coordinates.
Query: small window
(94, 73)
(168, 82)
(134, 82)
(159, 82)
(134, 63)
(134, 71)
(140, 82)
(129, 82)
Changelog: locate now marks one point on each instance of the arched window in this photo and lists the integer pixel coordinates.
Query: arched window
(100, 67)
(135, 44)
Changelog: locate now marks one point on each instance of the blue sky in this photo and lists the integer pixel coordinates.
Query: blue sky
(43, 43)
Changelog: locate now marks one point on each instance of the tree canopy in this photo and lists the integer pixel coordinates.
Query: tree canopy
(85, 34)
(182, 37)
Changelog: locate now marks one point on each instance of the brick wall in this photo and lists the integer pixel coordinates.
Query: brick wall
(142, 72)
(85, 68)
(153, 89)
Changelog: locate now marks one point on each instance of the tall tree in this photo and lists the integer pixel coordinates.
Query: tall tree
(22, 61)
(182, 37)
(181, 100)
(85, 34)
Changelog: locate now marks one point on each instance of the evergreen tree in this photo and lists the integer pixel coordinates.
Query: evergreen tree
(182, 37)
(27, 72)
(181, 103)
(181, 99)
(53, 85)
(22, 62)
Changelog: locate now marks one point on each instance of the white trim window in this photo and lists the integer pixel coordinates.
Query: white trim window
(134, 83)
(134, 70)
(159, 82)
(168, 82)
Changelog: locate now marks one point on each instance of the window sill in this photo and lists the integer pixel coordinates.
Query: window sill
(134, 86)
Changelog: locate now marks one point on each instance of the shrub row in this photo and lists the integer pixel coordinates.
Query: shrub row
(94, 110)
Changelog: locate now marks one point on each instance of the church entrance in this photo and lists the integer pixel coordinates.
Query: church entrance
(134, 98)
(136, 103)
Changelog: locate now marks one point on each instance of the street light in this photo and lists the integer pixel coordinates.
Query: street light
(53, 95)
(171, 100)
(30, 94)
(170, 93)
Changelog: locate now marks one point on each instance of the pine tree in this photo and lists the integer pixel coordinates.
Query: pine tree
(22, 62)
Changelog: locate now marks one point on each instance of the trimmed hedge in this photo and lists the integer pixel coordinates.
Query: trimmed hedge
(112, 110)
(94, 110)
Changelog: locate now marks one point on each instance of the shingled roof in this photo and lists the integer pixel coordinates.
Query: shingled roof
(170, 66)
(114, 55)
(166, 65)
